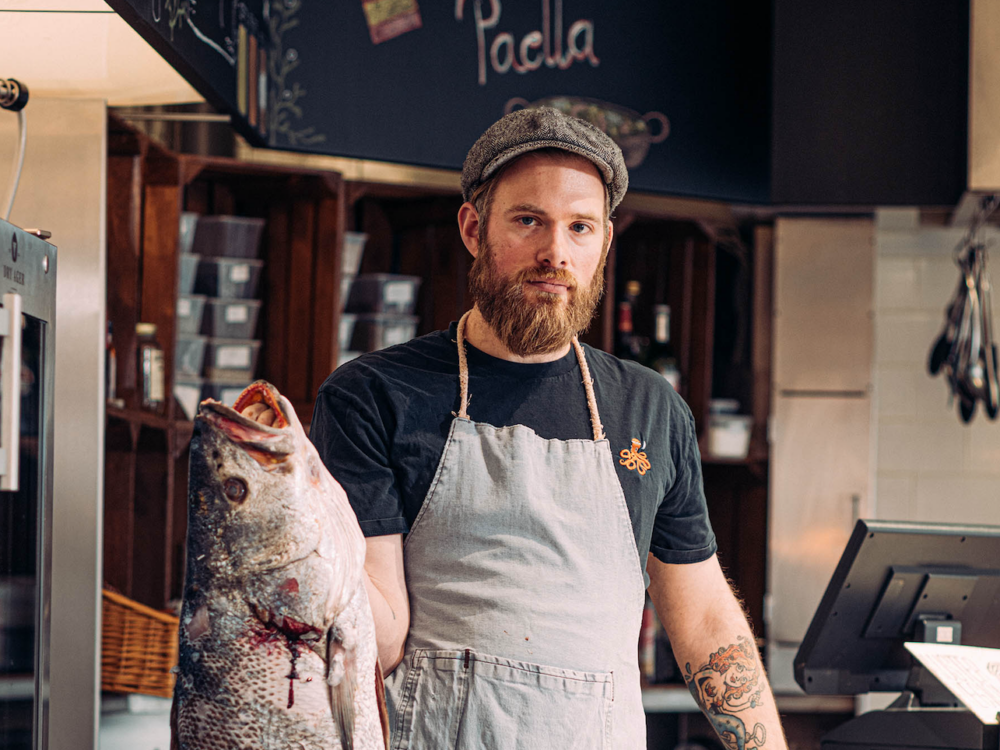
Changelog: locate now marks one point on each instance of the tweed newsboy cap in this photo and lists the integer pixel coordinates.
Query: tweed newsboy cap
(526, 130)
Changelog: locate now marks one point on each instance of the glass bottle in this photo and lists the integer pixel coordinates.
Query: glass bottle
(151, 376)
(628, 345)
(661, 353)
(110, 366)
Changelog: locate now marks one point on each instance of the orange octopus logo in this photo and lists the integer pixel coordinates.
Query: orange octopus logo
(633, 458)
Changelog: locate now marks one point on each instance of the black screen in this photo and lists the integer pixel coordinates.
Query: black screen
(891, 574)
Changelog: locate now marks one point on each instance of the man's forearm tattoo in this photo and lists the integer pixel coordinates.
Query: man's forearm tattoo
(730, 683)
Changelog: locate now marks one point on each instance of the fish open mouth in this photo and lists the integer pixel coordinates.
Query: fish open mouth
(269, 441)
(261, 393)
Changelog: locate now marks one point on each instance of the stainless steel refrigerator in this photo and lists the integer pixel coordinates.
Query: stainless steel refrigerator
(27, 358)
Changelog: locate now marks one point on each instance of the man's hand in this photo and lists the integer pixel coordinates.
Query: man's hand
(386, 586)
(715, 648)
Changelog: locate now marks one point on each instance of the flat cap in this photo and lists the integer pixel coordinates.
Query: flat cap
(527, 130)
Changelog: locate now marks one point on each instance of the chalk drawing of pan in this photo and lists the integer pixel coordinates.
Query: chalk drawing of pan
(632, 131)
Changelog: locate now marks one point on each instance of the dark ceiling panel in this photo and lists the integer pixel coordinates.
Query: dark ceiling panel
(870, 102)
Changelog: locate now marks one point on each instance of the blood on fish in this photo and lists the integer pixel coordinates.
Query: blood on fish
(293, 648)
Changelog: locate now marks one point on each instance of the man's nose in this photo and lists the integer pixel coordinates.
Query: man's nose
(554, 251)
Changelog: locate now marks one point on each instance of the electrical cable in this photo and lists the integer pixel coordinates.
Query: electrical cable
(22, 127)
(14, 97)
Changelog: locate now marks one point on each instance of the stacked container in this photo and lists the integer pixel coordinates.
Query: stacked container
(216, 355)
(379, 307)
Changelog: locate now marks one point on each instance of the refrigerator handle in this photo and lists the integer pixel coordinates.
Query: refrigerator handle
(10, 392)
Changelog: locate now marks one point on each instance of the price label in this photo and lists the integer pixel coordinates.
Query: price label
(232, 356)
(184, 307)
(240, 273)
(237, 313)
(398, 292)
(396, 335)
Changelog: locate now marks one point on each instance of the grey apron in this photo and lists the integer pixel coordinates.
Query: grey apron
(526, 596)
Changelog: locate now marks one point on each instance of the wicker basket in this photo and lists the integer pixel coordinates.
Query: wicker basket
(138, 647)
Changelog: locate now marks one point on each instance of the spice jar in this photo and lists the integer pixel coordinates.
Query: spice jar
(150, 370)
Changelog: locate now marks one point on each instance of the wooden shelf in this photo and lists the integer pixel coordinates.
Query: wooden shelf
(148, 419)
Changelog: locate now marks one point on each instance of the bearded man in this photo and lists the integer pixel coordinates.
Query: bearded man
(510, 542)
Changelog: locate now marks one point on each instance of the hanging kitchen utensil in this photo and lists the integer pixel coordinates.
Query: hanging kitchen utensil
(989, 351)
(953, 318)
(965, 350)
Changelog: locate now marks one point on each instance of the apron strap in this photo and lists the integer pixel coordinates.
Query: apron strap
(588, 380)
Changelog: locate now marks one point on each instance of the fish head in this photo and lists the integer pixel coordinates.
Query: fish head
(265, 518)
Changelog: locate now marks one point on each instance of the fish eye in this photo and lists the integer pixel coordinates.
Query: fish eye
(235, 490)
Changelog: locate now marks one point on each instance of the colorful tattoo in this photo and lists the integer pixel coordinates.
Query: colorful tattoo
(730, 682)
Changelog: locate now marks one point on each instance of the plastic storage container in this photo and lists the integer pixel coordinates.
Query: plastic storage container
(345, 290)
(383, 293)
(231, 319)
(346, 356)
(185, 237)
(345, 331)
(190, 308)
(729, 435)
(379, 330)
(354, 247)
(187, 391)
(189, 355)
(228, 236)
(231, 360)
(187, 271)
(229, 278)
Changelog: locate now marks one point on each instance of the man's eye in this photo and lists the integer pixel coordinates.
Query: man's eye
(581, 228)
(527, 220)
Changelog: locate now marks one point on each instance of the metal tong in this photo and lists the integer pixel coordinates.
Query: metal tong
(965, 349)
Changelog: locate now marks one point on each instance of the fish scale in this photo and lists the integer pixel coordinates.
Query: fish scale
(274, 586)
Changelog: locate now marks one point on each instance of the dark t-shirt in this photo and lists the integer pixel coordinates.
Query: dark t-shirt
(381, 422)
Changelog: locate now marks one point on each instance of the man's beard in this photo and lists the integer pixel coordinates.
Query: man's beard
(530, 323)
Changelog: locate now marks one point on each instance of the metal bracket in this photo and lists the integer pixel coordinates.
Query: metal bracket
(10, 392)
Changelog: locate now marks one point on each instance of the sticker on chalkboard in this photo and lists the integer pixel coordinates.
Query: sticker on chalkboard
(388, 19)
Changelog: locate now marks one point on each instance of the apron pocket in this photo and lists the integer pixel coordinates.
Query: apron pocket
(471, 701)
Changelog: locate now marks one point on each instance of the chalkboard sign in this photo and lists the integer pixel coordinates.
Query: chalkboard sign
(229, 51)
(682, 86)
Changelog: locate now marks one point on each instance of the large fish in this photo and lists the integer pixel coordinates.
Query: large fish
(277, 641)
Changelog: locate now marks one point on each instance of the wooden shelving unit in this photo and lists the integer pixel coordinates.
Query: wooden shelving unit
(146, 458)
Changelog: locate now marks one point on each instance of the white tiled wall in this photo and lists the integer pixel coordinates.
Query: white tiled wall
(929, 466)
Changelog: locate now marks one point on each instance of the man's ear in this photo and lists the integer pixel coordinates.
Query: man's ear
(468, 227)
